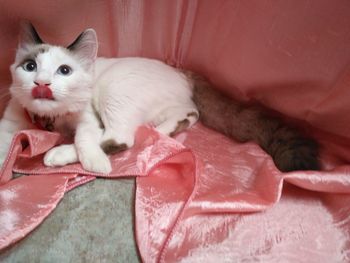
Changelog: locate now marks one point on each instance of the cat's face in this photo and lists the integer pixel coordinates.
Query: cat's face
(51, 80)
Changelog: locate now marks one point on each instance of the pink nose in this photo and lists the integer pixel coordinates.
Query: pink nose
(42, 92)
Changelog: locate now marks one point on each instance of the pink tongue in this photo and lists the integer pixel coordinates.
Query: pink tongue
(42, 92)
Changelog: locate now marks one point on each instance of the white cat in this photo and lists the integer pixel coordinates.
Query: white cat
(102, 101)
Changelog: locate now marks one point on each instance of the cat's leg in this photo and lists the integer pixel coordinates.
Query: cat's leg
(87, 143)
(120, 125)
(13, 121)
(61, 155)
(176, 119)
(116, 139)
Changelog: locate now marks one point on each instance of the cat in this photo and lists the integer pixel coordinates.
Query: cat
(102, 101)
(44, 87)
(289, 149)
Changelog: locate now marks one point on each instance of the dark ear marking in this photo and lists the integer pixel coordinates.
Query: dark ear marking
(73, 46)
(85, 45)
(29, 35)
(37, 39)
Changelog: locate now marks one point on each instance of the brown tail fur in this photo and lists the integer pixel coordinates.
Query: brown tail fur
(289, 149)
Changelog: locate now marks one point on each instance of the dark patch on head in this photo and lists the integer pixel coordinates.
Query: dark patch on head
(181, 125)
(112, 147)
(34, 53)
(42, 49)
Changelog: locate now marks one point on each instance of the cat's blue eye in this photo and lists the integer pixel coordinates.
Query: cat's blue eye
(64, 70)
(29, 65)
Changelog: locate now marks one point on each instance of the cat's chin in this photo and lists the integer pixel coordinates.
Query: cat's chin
(51, 108)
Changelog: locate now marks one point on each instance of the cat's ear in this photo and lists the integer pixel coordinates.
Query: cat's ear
(28, 35)
(85, 45)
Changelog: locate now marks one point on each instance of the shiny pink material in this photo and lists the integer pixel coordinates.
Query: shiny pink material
(26, 157)
(214, 199)
(25, 202)
(193, 204)
(232, 203)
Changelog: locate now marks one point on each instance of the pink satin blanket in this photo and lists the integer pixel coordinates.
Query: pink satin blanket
(204, 197)
(199, 198)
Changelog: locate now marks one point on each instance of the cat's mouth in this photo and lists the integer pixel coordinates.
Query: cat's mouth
(42, 92)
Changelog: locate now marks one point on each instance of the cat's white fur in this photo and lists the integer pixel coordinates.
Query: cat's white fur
(123, 93)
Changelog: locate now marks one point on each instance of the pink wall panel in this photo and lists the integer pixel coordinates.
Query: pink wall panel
(290, 55)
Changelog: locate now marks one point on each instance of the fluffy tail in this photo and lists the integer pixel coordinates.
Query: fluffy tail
(289, 149)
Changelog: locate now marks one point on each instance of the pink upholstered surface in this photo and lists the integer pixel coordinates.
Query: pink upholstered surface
(219, 199)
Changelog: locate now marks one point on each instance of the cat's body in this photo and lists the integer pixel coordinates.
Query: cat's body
(103, 101)
(129, 92)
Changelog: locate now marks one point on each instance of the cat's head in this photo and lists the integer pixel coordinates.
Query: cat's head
(53, 80)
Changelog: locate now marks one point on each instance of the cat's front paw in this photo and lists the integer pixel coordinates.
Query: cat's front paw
(61, 155)
(96, 162)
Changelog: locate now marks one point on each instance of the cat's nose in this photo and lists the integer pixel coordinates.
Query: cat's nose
(41, 83)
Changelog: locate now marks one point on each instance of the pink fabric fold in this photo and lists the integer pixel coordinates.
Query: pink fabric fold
(193, 204)
(22, 210)
(238, 207)
(205, 197)
(25, 202)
